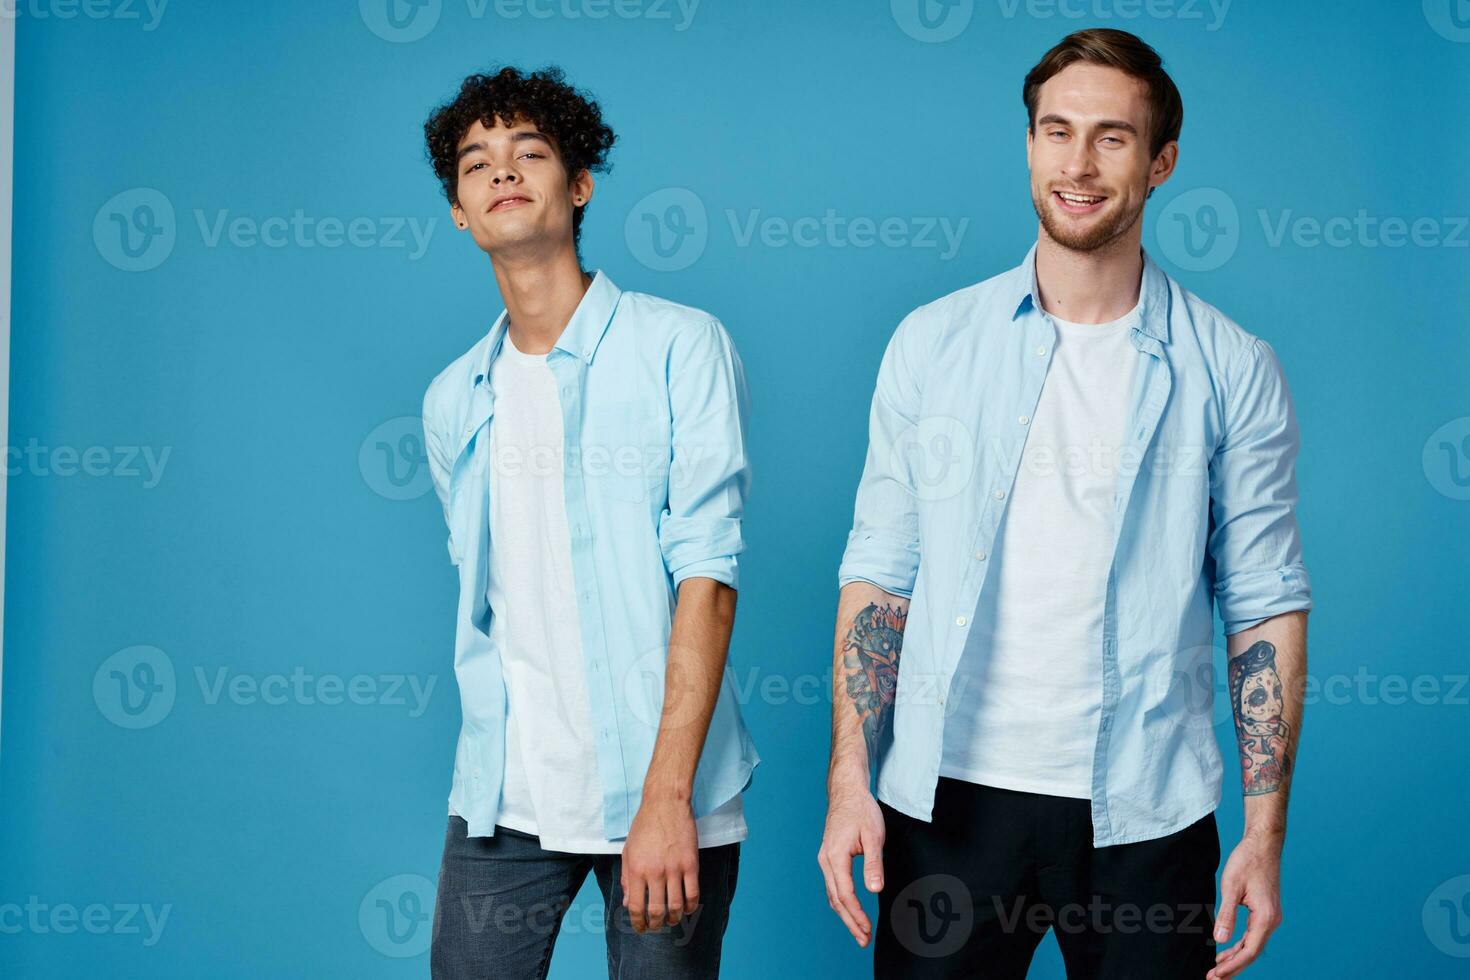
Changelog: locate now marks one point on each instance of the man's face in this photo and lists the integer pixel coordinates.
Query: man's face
(1089, 156)
(514, 191)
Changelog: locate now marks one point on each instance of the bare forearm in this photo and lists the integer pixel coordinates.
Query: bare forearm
(868, 641)
(699, 642)
(1265, 678)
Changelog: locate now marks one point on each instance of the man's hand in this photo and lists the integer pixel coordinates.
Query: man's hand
(854, 826)
(1252, 878)
(660, 866)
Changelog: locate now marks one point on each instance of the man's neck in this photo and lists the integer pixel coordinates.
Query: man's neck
(1089, 287)
(540, 297)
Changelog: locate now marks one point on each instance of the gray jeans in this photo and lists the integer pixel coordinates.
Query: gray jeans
(501, 901)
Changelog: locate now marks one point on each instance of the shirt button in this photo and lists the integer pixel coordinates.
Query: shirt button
(979, 556)
(960, 621)
(999, 495)
(1024, 419)
(1041, 352)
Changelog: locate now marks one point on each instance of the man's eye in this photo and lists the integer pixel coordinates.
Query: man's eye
(532, 154)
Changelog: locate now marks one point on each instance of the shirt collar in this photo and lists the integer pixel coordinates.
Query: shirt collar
(1153, 294)
(583, 332)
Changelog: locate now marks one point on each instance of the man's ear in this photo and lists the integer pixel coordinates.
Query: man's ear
(1030, 136)
(581, 188)
(460, 221)
(1163, 165)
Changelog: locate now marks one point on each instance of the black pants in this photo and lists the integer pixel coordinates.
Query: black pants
(971, 894)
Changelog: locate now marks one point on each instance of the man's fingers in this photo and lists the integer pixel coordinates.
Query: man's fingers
(1257, 930)
(658, 906)
(830, 863)
(1230, 895)
(873, 860)
(635, 897)
(674, 884)
(691, 891)
(847, 896)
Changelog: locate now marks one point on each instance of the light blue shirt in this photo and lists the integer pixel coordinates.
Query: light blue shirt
(1204, 511)
(654, 414)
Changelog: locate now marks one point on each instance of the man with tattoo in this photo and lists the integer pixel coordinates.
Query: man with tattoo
(1067, 464)
(589, 455)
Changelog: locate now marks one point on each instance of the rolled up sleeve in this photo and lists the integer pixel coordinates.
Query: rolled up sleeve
(709, 476)
(438, 461)
(883, 546)
(1255, 542)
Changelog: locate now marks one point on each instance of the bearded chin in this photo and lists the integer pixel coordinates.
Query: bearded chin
(1088, 239)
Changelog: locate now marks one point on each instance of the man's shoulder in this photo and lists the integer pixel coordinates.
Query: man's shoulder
(965, 307)
(1196, 324)
(454, 380)
(665, 316)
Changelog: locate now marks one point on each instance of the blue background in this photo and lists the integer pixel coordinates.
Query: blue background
(273, 542)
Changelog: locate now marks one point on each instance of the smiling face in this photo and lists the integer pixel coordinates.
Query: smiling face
(514, 193)
(1091, 168)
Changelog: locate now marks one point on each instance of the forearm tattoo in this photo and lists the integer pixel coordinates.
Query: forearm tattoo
(870, 658)
(1262, 734)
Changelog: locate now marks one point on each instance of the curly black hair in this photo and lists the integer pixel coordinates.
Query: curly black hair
(569, 117)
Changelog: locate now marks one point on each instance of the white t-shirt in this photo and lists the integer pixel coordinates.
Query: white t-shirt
(551, 786)
(1027, 695)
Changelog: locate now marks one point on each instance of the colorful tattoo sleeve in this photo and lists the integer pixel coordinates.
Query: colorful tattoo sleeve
(1261, 732)
(870, 657)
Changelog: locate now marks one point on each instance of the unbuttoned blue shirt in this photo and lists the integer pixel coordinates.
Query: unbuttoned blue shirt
(654, 414)
(1203, 512)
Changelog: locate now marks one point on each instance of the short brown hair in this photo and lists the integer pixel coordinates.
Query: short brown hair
(1129, 54)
